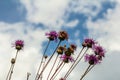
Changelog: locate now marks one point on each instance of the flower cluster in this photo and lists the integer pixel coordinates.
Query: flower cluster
(64, 55)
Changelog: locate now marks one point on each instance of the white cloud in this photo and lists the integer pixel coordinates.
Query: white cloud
(48, 12)
(52, 13)
(29, 57)
(107, 30)
(72, 24)
(55, 13)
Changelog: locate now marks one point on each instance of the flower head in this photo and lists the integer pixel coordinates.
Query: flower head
(92, 59)
(52, 35)
(63, 35)
(99, 50)
(61, 49)
(73, 46)
(19, 44)
(88, 43)
(66, 59)
(62, 79)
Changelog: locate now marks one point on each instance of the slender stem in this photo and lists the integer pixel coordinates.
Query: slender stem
(43, 66)
(9, 72)
(89, 69)
(42, 60)
(56, 70)
(76, 63)
(53, 66)
(28, 75)
(48, 60)
(59, 71)
(85, 72)
(12, 67)
(58, 63)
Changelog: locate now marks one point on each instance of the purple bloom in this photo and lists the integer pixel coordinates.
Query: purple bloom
(19, 44)
(52, 35)
(88, 43)
(62, 79)
(99, 50)
(66, 58)
(92, 59)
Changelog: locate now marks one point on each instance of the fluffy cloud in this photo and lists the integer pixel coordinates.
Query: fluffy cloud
(29, 57)
(107, 30)
(55, 13)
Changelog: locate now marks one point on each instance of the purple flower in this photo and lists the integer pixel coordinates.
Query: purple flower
(92, 59)
(62, 79)
(89, 43)
(19, 44)
(99, 50)
(52, 35)
(66, 59)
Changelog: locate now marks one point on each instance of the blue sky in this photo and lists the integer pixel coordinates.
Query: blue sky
(29, 20)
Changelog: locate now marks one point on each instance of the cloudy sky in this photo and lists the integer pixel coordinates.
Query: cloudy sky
(30, 19)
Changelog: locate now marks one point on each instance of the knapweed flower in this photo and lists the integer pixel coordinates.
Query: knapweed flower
(19, 44)
(61, 49)
(92, 59)
(62, 79)
(99, 50)
(63, 35)
(72, 48)
(52, 35)
(66, 59)
(88, 43)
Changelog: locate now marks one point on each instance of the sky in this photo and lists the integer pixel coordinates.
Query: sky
(29, 20)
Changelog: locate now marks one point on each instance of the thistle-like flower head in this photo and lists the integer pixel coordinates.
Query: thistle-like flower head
(19, 44)
(52, 35)
(63, 35)
(88, 43)
(92, 59)
(61, 49)
(99, 50)
(66, 59)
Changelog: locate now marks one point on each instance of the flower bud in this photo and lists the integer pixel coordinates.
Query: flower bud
(12, 60)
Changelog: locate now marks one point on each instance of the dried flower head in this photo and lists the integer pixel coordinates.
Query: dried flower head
(72, 48)
(92, 59)
(52, 35)
(19, 44)
(66, 59)
(63, 35)
(88, 43)
(61, 49)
